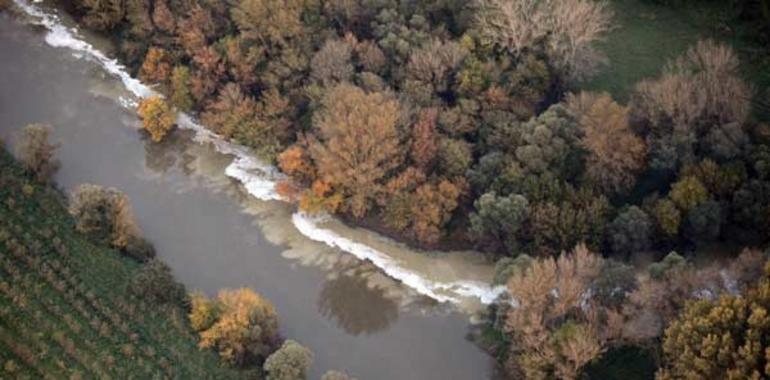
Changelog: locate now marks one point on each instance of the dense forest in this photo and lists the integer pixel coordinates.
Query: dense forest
(454, 123)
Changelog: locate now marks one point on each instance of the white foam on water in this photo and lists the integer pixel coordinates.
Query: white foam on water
(440, 291)
(258, 177)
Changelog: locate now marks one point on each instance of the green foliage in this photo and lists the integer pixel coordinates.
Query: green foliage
(290, 362)
(155, 284)
(64, 302)
(668, 217)
(181, 97)
(672, 262)
(631, 231)
(688, 192)
(497, 220)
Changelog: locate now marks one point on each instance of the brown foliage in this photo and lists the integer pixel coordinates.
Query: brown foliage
(616, 153)
(355, 144)
(567, 27)
(332, 64)
(103, 214)
(162, 17)
(425, 140)
(35, 153)
(296, 162)
(555, 325)
(703, 85)
(156, 67)
(270, 22)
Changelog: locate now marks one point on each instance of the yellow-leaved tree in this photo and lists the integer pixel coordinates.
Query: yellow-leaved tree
(157, 117)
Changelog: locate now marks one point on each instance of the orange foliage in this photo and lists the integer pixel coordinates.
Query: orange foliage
(424, 140)
(157, 117)
(156, 67)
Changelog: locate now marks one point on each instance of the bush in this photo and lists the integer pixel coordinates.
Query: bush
(155, 284)
(157, 117)
(240, 324)
(35, 152)
(290, 362)
(139, 248)
(105, 216)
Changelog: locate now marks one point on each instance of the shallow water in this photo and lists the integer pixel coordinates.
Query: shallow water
(214, 235)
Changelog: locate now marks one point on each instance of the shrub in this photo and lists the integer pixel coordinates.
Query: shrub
(155, 284)
(139, 248)
(157, 117)
(240, 324)
(35, 152)
(105, 215)
(290, 362)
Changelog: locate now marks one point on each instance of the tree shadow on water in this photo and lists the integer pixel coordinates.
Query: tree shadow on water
(356, 307)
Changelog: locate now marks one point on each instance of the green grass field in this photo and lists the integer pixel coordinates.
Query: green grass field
(647, 35)
(64, 310)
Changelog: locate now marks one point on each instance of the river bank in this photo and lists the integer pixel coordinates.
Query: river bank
(214, 235)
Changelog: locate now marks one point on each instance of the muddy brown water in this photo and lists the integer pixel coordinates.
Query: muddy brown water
(215, 236)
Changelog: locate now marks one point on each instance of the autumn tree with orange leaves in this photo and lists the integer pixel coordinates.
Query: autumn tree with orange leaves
(355, 144)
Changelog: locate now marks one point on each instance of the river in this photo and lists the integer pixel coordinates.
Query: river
(373, 321)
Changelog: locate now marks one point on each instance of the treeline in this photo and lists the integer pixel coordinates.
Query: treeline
(98, 314)
(566, 314)
(448, 117)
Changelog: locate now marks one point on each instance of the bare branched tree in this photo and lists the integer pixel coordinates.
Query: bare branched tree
(566, 29)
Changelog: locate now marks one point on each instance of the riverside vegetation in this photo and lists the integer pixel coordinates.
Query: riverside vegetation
(470, 123)
(83, 296)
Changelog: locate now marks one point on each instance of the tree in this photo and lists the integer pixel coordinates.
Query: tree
(35, 153)
(296, 162)
(355, 144)
(424, 147)
(497, 220)
(290, 362)
(567, 28)
(668, 217)
(181, 97)
(688, 192)
(157, 117)
(431, 208)
(704, 221)
(103, 214)
(545, 143)
(700, 100)
(269, 22)
(616, 153)
(720, 339)
(103, 14)
(155, 284)
(240, 324)
(430, 70)
(156, 67)
(557, 326)
(332, 64)
(704, 84)
(630, 232)
(454, 157)
(261, 124)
